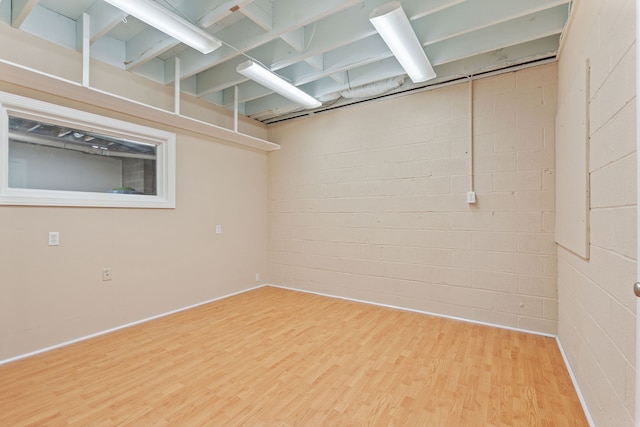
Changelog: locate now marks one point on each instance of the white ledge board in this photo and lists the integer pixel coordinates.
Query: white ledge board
(28, 77)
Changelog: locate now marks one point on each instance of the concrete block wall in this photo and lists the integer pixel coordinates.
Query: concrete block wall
(597, 317)
(133, 174)
(369, 202)
(139, 174)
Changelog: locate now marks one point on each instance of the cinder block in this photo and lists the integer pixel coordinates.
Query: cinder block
(610, 271)
(495, 162)
(429, 292)
(495, 317)
(615, 229)
(521, 139)
(530, 222)
(374, 207)
(448, 239)
(452, 276)
(497, 202)
(416, 272)
(550, 309)
(518, 304)
(474, 298)
(536, 160)
(517, 181)
(453, 166)
(495, 281)
(423, 220)
(536, 324)
(434, 150)
(502, 121)
(431, 185)
(548, 179)
(535, 201)
(548, 222)
(538, 286)
(622, 336)
(486, 88)
(411, 255)
(536, 243)
(616, 34)
(550, 266)
(615, 184)
(495, 241)
(482, 183)
(471, 221)
(499, 261)
(613, 141)
(483, 144)
(617, 90)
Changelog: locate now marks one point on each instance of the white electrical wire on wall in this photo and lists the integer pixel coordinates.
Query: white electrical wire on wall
(471, 181)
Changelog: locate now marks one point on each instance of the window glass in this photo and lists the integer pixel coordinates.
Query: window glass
(51, 157)
(80, 159)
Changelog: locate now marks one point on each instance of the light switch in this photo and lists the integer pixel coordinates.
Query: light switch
(54, 238)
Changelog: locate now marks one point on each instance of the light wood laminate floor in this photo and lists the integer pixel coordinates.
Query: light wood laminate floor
(273, 357)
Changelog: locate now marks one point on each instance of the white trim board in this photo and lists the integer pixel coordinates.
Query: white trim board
(20, 75)
(117, 328)
(576, 386)
(564, 357)
(428, 313)
(157, 316)
(583, 402)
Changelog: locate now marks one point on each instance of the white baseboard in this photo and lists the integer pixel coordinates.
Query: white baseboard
(564, 356)
(461, 319)
(576, 386)
(137, 322)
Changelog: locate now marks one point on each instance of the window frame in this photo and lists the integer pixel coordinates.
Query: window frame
(165, 142)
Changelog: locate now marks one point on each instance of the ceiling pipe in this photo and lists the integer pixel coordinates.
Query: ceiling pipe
(368, 90)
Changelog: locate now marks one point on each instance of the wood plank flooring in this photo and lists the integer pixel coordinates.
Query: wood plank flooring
(273, 357)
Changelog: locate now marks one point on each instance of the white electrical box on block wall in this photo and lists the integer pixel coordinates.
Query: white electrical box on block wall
(54, 238)
(471, 197)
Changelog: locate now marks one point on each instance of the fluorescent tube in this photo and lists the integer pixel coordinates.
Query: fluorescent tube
(169, 23)
(269, 80)
(395, 29)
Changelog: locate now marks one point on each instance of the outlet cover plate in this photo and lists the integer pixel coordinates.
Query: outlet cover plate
(54, 238)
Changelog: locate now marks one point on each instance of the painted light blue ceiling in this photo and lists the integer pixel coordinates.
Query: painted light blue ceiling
(327, 48)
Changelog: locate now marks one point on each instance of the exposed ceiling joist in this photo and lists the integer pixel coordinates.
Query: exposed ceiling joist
(104, 18)
(323, 47)
(20, 9)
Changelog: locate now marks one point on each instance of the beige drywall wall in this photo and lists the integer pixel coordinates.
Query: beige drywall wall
(597, 319)
(161, 259)
(369, 202)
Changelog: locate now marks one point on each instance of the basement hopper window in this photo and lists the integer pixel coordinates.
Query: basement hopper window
(57, 156)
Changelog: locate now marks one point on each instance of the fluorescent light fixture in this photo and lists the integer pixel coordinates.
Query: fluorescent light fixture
(169, 23)
(269, 80)
(395, 29)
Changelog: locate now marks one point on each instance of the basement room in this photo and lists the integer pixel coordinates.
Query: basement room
(318, 213)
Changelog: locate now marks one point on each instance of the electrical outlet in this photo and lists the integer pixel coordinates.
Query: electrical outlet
(106, 274)
(471, 197)
(54, 238)
(218, 229)
(257, 277)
